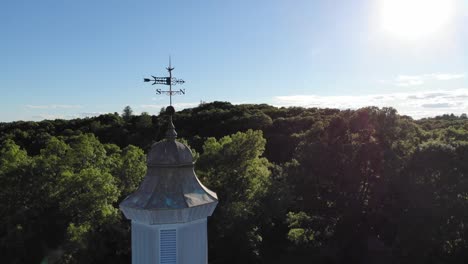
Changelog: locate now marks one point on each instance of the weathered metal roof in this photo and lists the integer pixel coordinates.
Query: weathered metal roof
(170, 191)
(169, 153)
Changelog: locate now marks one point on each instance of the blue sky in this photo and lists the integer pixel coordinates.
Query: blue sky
(67, 59)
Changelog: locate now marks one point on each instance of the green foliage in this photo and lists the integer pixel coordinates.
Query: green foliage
(436, 208)
(11, 157)
(296, 185)
(131, 170)
(237, 155)
(144, 121)
(57, 201)
(299, 232)
(88, 195)
(233, 166)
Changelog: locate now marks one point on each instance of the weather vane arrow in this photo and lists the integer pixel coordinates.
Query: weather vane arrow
(167, 81)
(164, 80)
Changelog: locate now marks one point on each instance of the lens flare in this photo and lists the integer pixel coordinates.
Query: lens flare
(415, 19)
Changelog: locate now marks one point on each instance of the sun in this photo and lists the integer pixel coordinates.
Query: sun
(415, 19)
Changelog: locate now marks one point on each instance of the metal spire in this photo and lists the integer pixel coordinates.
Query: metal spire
(171, 134)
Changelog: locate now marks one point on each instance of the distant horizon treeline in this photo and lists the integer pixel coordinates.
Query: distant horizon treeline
(296, 185)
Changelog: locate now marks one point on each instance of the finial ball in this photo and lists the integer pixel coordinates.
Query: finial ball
(170, 110)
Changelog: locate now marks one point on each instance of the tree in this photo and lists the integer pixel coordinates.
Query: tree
(342, 179)
(127, 113)
(234, 168)
(343, 182)
(433, 220)
(144, 121)
(16, 195)
(64, 199)
(132, 169)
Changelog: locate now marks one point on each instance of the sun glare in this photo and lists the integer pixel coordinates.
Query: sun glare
(414, 19)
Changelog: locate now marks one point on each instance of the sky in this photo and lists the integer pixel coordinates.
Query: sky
(74, 59)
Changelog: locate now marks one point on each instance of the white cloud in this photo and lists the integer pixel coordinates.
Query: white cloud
(53, 106)
(47, 117)
(88, 114)
(416, 104)
(417, 80)
(39, 117)
(410, 80)
(447, 76)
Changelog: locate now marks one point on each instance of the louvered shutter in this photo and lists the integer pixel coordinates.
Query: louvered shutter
(168, 246)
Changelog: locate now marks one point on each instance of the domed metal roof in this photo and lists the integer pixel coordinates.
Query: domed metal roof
(170, 191)
(169, 152)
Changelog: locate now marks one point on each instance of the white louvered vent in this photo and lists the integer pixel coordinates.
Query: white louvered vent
(168, 246)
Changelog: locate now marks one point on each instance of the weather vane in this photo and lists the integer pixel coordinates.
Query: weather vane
(167, 81)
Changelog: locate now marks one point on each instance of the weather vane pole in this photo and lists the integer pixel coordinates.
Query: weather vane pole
(167, 81)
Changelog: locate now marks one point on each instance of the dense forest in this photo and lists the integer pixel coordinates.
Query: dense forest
(296, 185)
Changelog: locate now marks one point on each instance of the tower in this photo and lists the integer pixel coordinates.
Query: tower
(169, 210)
